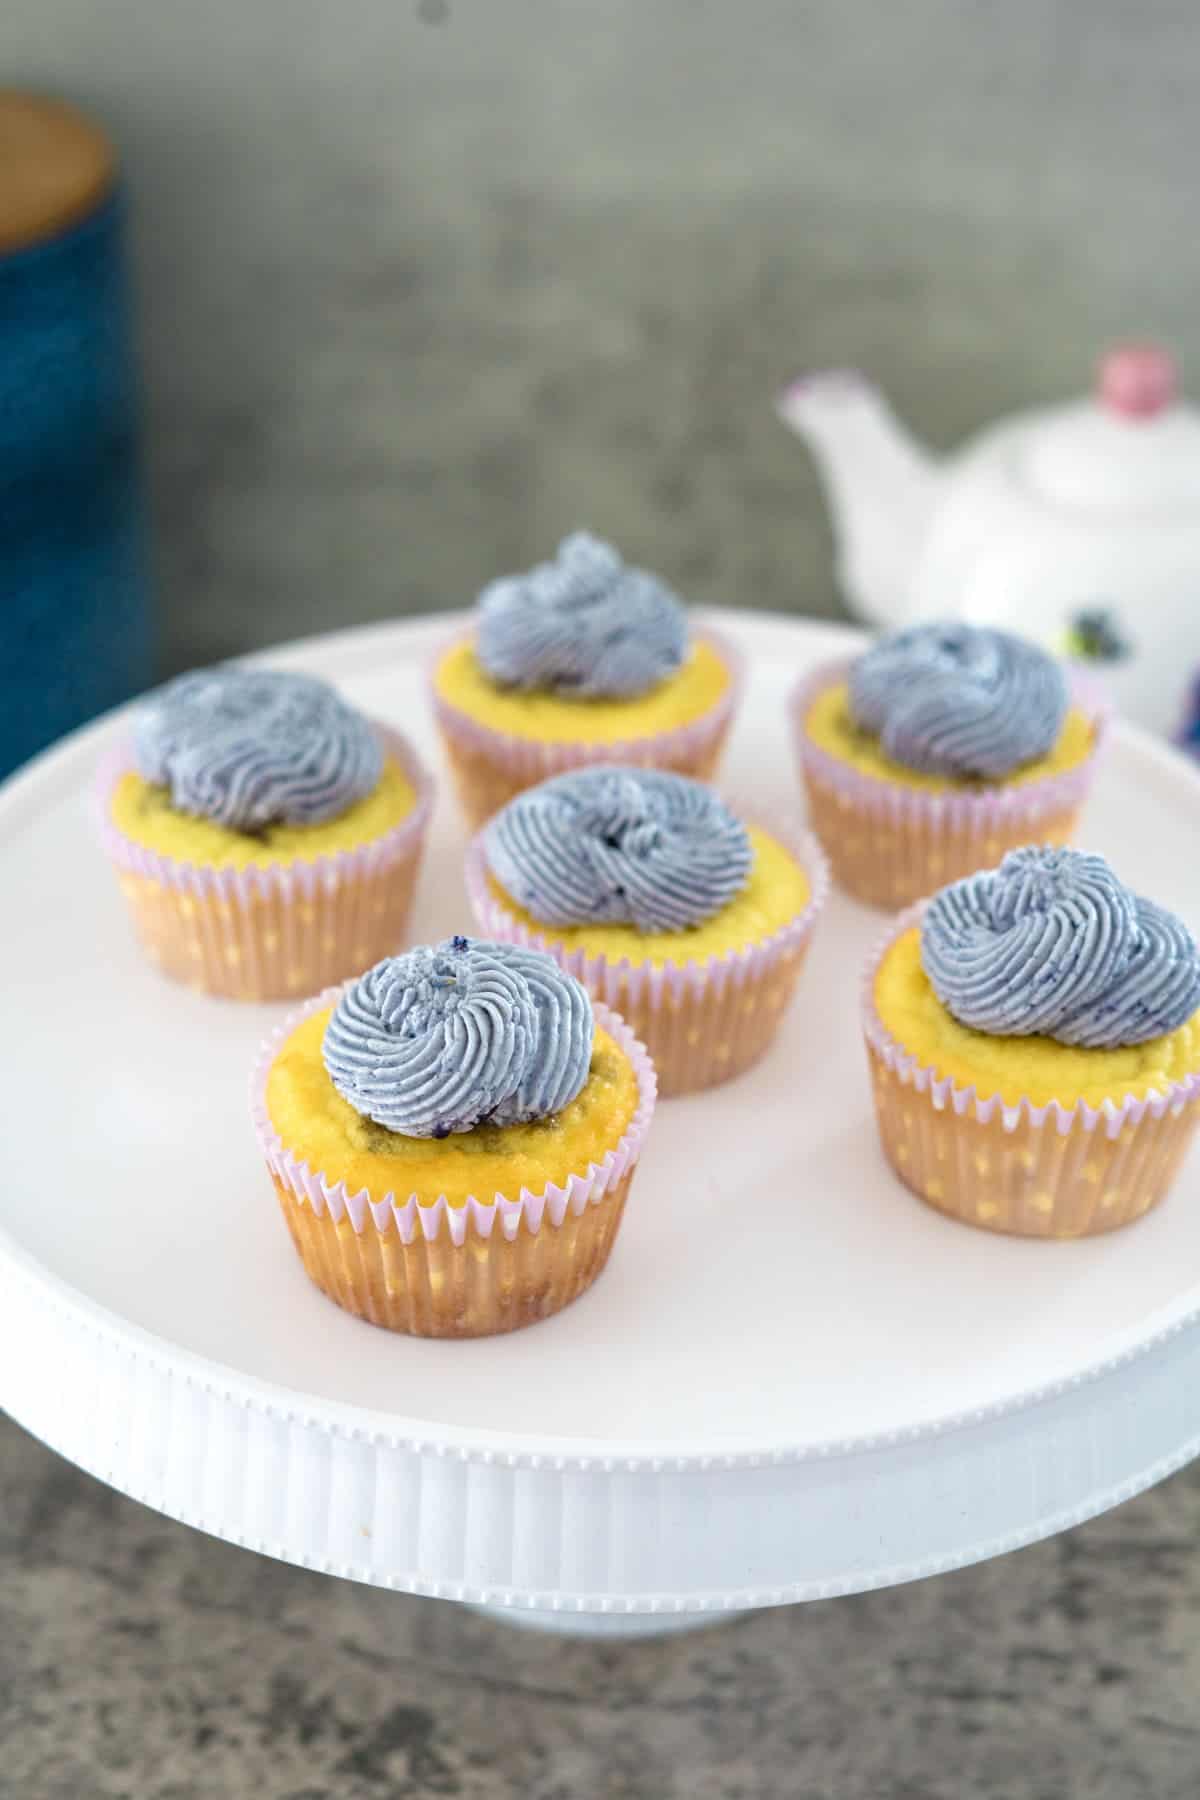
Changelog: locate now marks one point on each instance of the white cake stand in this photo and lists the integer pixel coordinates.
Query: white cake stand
(793, 1381)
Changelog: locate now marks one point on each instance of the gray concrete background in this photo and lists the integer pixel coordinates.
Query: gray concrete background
(427, 282)
(423, 286)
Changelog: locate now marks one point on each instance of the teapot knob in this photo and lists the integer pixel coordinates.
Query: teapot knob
(1137, 381)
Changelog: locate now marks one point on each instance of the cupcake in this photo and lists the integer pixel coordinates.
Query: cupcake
(266, 836)
(936, 751)
(580, 661)
(663, 902)
(452, 1138)
(1034, 1040)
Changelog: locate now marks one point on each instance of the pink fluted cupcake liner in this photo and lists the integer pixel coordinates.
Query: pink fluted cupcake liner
(416, 1264)
(890, 844)
(703, 1021)
(277, 932)
(490, 766)
(1055, 1171)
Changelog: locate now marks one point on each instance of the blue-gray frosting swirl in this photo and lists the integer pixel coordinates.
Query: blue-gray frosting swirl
(440, 1040)
(959, 699)
(1052, 943)
(584, 624)
(619, 846)
(249, 748)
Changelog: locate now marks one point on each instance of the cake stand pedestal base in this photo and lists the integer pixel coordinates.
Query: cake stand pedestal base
(606, 1625)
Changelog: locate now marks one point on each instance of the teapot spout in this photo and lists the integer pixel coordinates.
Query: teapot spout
(881, 486)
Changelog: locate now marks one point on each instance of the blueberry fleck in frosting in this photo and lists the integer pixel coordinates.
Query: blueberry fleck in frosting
(583, 624)
(959, 700)
(1053, 944)
(619, 846)
(439, 1040)
(248, 748)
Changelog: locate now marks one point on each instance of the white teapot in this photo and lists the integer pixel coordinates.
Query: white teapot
(1078, 526)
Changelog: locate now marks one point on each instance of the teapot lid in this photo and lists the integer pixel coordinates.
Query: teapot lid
(1134, 447)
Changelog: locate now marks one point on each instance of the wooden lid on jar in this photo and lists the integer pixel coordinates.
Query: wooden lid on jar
(56, 166)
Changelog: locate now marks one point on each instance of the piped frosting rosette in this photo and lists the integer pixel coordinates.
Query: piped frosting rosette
(956, 702)
(434, 1043)
(1049, 950)
(245, 749)
(959, 700)
(659, 852)
(440, 1041)
(585, 626)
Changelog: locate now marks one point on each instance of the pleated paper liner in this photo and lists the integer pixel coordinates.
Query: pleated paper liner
(1048, 1171)
(890, 845)
(277, 932)
(703, 1022)
(489, 767)
(415, 1264)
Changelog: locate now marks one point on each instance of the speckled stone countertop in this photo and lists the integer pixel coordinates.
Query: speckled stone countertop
(140, 1660)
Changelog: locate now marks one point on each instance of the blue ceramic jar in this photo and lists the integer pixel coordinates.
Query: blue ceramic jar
(74, 603)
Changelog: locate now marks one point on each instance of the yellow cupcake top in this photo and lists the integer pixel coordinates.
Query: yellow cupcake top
(581, 649)
(319, 1127)
(1038, 1069)
(830, 724)
(777, 890)
(954, 699)
(145, 813)
(637, 864)
(700, 684)
(240, 767)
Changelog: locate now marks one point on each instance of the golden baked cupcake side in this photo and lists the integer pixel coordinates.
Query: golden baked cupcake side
(1033, 1034)
(646, 886)
(937, 751)
(452, 1138)
(580, 661)
(265, 836)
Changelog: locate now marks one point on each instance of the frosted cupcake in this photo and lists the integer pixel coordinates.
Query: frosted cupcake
(936, 751)
(663, 902)
(266, 836)
(1034, 1043)
(452, 1138)
(582, 660)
